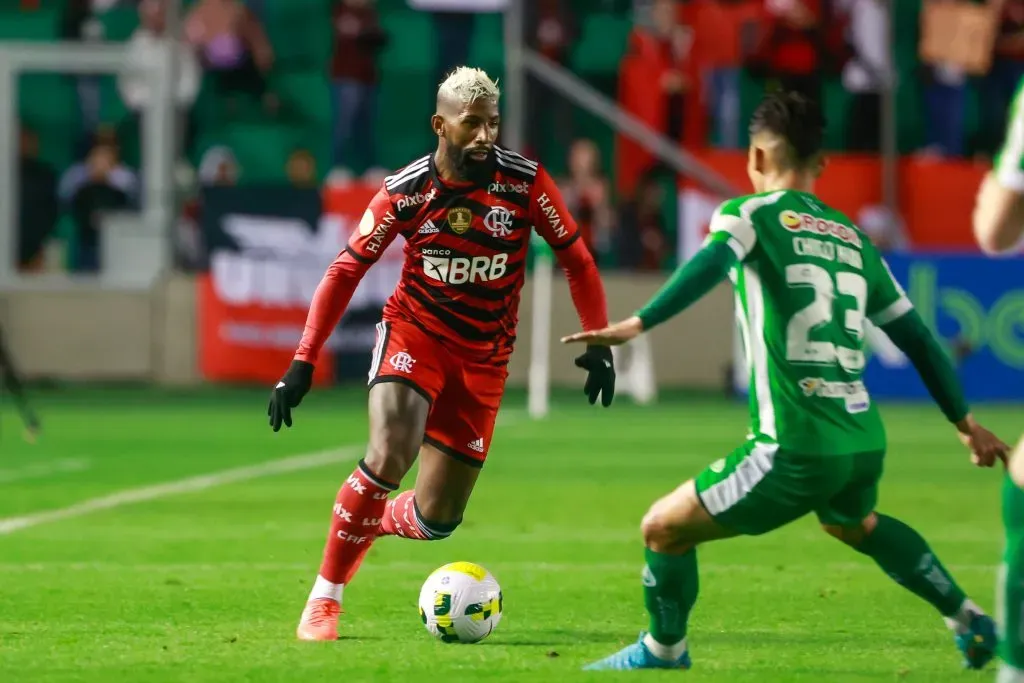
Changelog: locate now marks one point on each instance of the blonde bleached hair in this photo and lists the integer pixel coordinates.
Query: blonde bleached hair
(465, 85)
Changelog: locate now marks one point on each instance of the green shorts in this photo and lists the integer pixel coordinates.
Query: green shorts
(759, 487)
(1010, 597)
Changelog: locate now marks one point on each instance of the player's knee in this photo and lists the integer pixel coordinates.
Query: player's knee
(852, 535)
(392, 452)
(663, 533)
(657, 533)
(435, 524)
(678, 522)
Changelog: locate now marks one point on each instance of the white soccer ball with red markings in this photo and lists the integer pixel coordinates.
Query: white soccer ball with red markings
(461, 603)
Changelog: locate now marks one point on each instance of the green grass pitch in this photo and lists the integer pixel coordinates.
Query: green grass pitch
(206, 586)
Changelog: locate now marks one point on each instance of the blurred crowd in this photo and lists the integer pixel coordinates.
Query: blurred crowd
(681, 73)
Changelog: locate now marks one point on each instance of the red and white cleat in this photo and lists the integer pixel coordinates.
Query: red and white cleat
(319, 620)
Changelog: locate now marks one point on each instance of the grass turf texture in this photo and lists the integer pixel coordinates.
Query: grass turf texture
(208, 586)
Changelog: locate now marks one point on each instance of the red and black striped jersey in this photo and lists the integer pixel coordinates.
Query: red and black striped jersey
(465, 253)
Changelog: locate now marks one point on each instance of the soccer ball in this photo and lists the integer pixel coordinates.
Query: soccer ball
(461, 603)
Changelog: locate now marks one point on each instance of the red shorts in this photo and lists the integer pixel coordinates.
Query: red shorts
(464, 395)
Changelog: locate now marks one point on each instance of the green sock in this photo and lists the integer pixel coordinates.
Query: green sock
(670, 591)
(905, 556)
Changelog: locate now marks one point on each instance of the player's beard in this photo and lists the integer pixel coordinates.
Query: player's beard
(468, 168)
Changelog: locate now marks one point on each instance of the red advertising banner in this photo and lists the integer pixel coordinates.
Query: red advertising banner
(269, 248)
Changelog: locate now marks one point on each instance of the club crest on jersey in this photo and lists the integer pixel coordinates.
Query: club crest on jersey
(499, 221)
(459, 219)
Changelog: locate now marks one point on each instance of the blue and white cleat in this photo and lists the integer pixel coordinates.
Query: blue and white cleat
(978, 643)
(637, 656)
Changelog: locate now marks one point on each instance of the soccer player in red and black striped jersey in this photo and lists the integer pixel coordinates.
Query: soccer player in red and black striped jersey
(438, 372)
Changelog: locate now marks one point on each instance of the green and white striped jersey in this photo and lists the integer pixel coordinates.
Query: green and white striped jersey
(805, 282)
(1009, 162)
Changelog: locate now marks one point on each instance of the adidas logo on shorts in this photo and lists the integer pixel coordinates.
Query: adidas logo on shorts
(476, 445)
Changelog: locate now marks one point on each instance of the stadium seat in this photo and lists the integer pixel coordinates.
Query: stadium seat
(119, 23)
(304, 96)
(112, 107)
(263, 148)
(602, 42)
(40, 25)
(487, 47)
(48, 100)
(836, 106)
(405, 97)
(411, 51)
(300, 32)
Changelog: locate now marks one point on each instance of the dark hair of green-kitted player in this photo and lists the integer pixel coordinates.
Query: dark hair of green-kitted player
(796, 121)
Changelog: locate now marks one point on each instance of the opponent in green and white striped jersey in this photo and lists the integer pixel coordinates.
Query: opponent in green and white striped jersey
(806, 280)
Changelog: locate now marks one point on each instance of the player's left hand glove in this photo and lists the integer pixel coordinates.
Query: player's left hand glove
(288, 393)
(597, 361)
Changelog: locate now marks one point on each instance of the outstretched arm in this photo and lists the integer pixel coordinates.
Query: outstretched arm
(910, 334)
(329, 302)
(377, 229)
(690, 283)
(892, 311)
(913, 338)
(552, 221)
(731, 240)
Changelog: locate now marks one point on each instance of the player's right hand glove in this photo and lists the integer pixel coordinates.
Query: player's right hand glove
(597, 361)
(288, 393)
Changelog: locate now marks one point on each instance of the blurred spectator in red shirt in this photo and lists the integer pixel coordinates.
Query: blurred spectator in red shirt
(726, 33)
(358, 39)
(656, 77)
(789, 50)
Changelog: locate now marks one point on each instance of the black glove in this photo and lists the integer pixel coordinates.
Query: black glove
(289, 392)
(597, 361)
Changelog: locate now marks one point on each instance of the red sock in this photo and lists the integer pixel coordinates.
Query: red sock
(354, 524)
(399, 518)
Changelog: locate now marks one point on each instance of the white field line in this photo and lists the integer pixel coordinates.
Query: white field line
(41, 470)
(190, 485)
(296, 463)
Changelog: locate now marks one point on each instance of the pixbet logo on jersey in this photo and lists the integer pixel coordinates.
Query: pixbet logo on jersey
(517, 188)
(440, 265)
(415, 200)
(805, 222)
